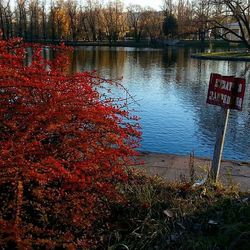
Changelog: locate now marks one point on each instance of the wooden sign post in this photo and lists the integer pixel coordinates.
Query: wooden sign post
(227, 92)
(219, 144)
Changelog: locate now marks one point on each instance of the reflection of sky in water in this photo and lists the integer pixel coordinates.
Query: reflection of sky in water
(171, 89)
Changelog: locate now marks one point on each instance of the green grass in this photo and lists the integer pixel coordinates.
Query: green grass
(228, 54)
(236, 55)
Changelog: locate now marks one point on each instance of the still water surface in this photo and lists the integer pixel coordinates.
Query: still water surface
(171, 90)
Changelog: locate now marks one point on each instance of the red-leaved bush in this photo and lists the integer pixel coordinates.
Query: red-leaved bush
(64, 145)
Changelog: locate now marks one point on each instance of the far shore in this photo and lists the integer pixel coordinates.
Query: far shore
(176, 168)
(227, 55)
(138, 44)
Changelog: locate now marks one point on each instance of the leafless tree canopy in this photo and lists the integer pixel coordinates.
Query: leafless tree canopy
(91, 20)
(231, 22)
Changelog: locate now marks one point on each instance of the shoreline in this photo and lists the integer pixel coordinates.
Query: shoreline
(237, 57)
(177, 168)
(145, 152)
(158, 44)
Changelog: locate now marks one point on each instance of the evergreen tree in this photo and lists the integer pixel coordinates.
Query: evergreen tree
(170, 25)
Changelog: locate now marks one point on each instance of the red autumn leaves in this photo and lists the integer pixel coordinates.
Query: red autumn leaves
(56, 126)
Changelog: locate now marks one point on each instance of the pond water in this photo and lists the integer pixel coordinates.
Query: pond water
(171, 90)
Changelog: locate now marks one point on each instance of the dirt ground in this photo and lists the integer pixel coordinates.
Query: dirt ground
(177, 168)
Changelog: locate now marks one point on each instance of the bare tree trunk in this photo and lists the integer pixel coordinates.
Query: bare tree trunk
(2, 28)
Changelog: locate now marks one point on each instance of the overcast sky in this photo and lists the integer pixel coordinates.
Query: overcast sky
(156, 4)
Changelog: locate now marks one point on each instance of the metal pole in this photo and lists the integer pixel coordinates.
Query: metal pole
(219, 144)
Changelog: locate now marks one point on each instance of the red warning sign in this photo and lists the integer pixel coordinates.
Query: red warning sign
(226, 91)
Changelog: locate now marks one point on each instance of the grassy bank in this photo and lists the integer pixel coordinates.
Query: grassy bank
(204, 44)
(225, 55)
(163, 216)
(152, 214)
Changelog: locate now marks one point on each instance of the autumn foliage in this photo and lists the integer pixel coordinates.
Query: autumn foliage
(64, 146)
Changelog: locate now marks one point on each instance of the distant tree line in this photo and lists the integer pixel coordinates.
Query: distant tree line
(70, 20)
(91, 20)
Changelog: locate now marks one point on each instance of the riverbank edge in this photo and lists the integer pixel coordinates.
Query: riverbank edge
(145, 152)
(142, 44)
(221, 58)
(174, 168)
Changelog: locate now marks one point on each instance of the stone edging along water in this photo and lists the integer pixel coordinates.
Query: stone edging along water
(172, 167)
(224, 58)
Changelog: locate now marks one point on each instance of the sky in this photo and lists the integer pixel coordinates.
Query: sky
(156, 4)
